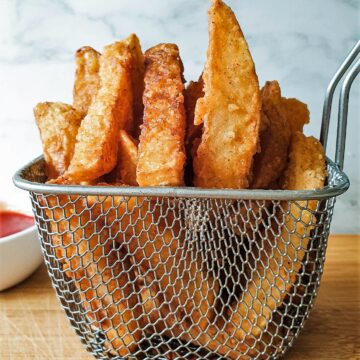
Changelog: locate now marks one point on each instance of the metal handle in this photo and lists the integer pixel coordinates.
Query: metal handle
(343, 113)
(343, 103)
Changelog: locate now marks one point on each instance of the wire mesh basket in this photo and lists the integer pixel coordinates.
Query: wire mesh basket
(185, 273)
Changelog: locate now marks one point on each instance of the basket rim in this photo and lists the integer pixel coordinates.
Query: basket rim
(342, 184)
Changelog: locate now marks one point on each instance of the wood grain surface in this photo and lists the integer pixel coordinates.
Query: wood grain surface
(33, 326)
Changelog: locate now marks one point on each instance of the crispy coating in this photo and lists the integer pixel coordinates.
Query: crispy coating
(193, 92)
(125, 170)
(296, 113)
(96, 264)
(161, 149)
(58, 124)
(87, 80)
(230, 109)
(274, 139)
(96, 145)
(137, 83)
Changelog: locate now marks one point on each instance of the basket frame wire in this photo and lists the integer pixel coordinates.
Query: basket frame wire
(24, 180)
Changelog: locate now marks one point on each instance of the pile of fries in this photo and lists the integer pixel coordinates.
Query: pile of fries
(134, 123)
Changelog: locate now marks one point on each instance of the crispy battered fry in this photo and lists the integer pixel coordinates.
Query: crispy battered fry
(274, 139)
(137, 83)
(230, 108)
(97, 140)
(161, 161)
(161, 149)
(125, 170)
(306, 169)
(100, 269)
(87, 80)
(58, 124)
(283, 255)
(296, 113)
(281, 117)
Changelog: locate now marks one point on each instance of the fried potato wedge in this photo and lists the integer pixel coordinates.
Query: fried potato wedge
(281, 258)
(296, 113)
(230, 109)
(137, 83)
(270, 162)
(87, 80)
(96, 145)
(306, 169)
(125, 170)
(283, 254)
(161, 149)
(100, 270)
(58, 124)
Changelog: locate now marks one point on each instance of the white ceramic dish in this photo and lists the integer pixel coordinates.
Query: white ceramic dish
(20, 256)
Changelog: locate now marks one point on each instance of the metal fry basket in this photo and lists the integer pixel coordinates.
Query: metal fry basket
(185, 273)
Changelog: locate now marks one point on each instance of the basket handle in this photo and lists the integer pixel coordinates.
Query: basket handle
(343, 103)
(343, 114)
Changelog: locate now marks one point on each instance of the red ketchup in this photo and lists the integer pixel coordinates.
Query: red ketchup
(12, 222)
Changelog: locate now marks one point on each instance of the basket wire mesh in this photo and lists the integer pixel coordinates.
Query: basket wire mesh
(182, 273)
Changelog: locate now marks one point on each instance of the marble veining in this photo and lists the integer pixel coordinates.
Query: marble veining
(299, 43)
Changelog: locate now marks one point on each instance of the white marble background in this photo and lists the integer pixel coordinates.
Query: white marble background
(301, 43)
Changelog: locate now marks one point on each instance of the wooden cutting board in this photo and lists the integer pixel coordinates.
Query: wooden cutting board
(33, 326)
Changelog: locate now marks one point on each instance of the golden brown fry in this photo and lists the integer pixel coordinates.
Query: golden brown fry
(161, 161)
(283, 255)
(230, 108)
(58, 124)
(87, 80)
(125, 170)
(137, 83)
(161, 149)
(296, 113)
(193, 92)
(96, 146)
(100, 270)
(306, 169)
(281, 117)
(274, 139)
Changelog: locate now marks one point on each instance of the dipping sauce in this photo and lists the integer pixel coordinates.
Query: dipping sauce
(12, 222)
